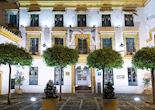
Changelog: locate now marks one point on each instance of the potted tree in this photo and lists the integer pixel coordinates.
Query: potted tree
(110, 102)
(59, 56)
(50, 101)
(145, 59)
(11, 54)
(147, 89)
(102, 59)
(19, 78)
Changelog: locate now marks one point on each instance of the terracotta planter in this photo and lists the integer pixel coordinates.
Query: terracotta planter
(50, 104)
(18, 91)
(148, 91)
(110, 104)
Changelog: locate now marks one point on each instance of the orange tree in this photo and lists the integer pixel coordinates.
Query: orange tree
(145, 59)
(11, 54)
(104, 58)
(59, 56)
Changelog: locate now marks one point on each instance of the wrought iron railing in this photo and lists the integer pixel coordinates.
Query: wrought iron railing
(85, 50)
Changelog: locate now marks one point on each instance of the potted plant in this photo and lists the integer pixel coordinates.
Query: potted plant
(110, 102)
(13, 55)
(59, 56)
(19, 82)
(102, 59)
(145, 59)
(147, 89)
(50, 101)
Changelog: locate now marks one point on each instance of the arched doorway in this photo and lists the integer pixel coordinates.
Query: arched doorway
(83, 76)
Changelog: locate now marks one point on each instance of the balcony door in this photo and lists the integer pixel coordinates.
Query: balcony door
(82, 46)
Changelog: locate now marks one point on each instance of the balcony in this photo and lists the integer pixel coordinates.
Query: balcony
(84, 51)
(33, 29)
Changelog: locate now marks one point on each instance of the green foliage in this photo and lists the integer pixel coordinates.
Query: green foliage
(146, 82)
(104, 58)
(14, 55)
(60, 56)
(144, 58)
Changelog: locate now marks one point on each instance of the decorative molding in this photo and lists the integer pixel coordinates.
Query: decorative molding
(33, 29)
(131, 29)
(151, 35)
(107, 35)
(106, 29)
(88, 3)
(33, 35)
(59, 34)
(8, 34)
(87, 36)
(131, 35)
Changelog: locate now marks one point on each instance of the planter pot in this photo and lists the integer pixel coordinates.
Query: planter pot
(110, 104)
(18, 91)
(148, 91)
(50, 104)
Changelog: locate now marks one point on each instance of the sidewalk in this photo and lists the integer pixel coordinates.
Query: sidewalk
(76, 102)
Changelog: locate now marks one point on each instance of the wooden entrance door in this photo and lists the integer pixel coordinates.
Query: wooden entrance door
(82, 46)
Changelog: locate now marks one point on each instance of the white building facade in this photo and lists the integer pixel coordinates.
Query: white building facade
(86, 29)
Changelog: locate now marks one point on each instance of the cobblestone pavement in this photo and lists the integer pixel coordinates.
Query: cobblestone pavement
(76, 102)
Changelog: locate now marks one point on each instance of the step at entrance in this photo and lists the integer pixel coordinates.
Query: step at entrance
(83, 89)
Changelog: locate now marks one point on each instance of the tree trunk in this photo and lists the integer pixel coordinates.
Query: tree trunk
(9, 87)
(153, 85)
(60, 84)
(103, 82)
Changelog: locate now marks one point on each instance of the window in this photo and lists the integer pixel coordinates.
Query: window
(81, 20)
(58, 20)
(132, 77)
(59, 41)
(108, 77)
(107, 42)
(33, 76)
(57, 73)
(129, 20)
(130, 46)
(34, 20)
(12, 83)
(106, 20)
(82, 45)
(34, 45)
(13, 20)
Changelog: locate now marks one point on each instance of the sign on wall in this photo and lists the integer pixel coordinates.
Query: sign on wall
(67, 73)
(120, 76)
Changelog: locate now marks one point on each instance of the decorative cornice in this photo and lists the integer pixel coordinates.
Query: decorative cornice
(8, 34)
(88, 3)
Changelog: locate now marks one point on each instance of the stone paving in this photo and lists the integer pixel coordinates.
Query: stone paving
(81, 101)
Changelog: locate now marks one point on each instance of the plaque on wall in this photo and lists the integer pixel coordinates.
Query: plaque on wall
(67, 73)
(120, 76)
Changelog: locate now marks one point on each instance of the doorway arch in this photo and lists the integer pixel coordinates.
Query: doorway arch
(82, 76)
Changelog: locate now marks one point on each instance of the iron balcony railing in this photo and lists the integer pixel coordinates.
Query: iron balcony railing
(84, 50)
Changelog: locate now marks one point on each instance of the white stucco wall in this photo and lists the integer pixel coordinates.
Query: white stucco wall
(4, 69)
(46, 22)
